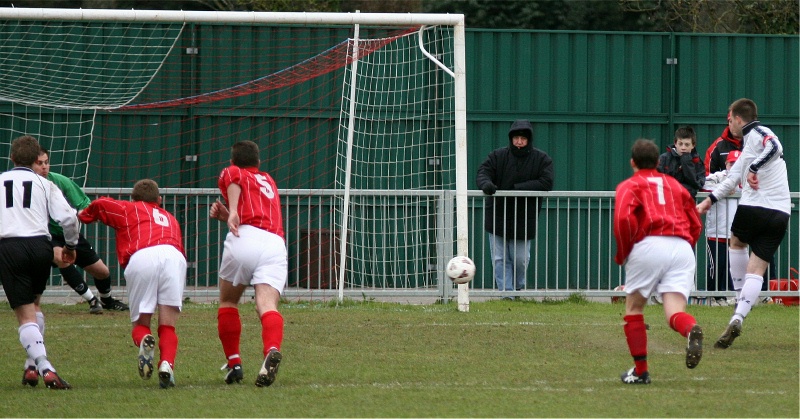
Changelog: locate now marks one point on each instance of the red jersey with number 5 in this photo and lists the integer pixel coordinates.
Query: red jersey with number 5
(650, 203)
(259, 203)
(138, 225)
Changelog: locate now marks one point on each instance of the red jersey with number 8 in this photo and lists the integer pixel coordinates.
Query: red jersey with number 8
(138, 225)
(259, 203)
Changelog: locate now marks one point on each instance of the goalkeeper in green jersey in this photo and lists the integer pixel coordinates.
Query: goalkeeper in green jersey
(87, 258)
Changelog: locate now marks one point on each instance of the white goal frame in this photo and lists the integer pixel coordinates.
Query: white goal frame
(410, 19)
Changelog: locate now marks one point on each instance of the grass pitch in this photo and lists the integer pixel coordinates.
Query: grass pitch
(368, 359)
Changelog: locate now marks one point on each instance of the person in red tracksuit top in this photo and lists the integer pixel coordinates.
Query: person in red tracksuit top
(656, 226)
(717, 152)
(254, 254)
(150, 250)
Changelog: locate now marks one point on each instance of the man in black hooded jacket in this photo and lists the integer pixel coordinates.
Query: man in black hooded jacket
(511, 221)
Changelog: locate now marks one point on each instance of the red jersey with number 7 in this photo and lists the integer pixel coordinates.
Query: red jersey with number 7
(259, 203)
(650, 203)
(138, 225)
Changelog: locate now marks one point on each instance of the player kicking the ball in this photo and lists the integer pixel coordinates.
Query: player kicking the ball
(254, 254)
(763, 213)
(655, 227)
(150, 250)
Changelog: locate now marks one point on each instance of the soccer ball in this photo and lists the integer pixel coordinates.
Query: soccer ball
(616, 299)
(460, 269)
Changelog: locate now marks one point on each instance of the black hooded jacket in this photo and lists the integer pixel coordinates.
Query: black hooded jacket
(513, 169)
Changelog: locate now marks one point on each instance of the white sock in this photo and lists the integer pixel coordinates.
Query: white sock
(750, 291)
(33, 342)
(40, 322)
(738, 258)
(87, 295)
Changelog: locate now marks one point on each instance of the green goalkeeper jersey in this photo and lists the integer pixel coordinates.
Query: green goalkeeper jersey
(74, 194)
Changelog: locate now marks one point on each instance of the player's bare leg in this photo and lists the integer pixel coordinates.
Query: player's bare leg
(636, 337)
(685, 324)
(267, 300)
(167, 344)
(143, 337)
(229, 327)
(32, 340)
(748, 290)
(74, 278)
(102, 280)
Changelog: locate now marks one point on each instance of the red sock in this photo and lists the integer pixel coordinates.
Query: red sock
(682, 323)
(271, 330)
(636, 334)
(229, 327)
(167, 344)
(138, 333)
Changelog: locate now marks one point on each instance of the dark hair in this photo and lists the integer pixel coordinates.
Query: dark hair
(686, 132)
(245, 154)
(44, 150)
(745, 109)
(25, 150)
(644, 154)
(145, 190)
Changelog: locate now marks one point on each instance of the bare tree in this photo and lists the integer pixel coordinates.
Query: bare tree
(719, 16)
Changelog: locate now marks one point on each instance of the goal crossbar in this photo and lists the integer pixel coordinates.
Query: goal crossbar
(188, 16)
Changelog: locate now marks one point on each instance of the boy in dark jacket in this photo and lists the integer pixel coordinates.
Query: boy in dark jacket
(511, 221)
(682, 162)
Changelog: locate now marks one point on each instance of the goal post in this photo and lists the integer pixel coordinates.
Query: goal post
(119, 95)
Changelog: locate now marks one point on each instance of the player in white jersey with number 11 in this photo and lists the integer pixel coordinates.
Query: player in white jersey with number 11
(26, 251)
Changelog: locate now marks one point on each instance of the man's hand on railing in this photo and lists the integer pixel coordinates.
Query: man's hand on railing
(218, 211)
(704, 206)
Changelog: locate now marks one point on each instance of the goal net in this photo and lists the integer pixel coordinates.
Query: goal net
(360, 118)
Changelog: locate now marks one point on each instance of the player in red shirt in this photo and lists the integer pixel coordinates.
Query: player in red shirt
(254, 254)
(150, 250)
(656, 226)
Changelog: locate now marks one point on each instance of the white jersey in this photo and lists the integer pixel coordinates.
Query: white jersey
(762, 153)
(720, 216)
(26, 203)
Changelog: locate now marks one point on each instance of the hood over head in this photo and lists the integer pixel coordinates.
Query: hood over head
(521, 127)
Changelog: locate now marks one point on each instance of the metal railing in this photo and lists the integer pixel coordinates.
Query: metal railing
(572, 252)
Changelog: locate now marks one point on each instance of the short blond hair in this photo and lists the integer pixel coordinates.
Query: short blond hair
(145, 190)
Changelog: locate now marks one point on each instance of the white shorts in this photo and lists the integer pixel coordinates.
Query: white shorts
(255, 257)
(155, 275)
(660, 264)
